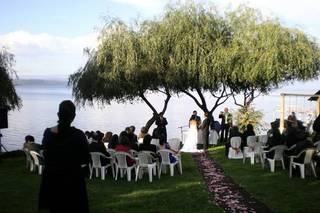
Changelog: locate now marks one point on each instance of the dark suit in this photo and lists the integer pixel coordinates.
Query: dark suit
(205, 132)
(162, 130)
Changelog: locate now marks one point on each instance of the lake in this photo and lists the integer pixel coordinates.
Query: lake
(42, 97)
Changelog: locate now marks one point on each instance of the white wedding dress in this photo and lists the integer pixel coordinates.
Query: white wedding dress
(191, 139)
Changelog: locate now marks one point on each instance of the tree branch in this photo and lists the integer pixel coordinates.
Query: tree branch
(194, 98)
(148, 103)
(203, 100)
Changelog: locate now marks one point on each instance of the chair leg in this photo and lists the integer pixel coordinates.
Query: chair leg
(313, 169)
(244, 158)
(159, 170)
(137, 172)
(97, 172)
(272, 165)
(283, 166)
(180, 166)
(117, 170)
(121, 173)
(290, 169)
(150, 171)
(39, 169)
(112, 169)
(171, 170)
(103, 173)
(252, 159)
(154, 170)
(129, 174)
(302, 171)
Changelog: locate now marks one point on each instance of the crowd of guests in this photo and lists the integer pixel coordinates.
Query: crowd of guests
(295, 136)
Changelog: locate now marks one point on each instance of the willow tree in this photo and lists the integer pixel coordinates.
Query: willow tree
(8, 95)
(187, 46)
(119, 70)
(265, 55)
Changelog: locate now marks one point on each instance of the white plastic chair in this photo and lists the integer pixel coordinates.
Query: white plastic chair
(29, 161)
(307, 161)
(155, 141)
(234, 150)
(174, 144)
(122, 166)
(252, 150)
(278, 156)
(96, 165)
(165, 161)
(134, 153)
(317, 145)
(263, 139)
(146, 162)
(213, 137)
(37, 161)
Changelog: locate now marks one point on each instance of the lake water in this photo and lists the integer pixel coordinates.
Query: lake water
(42, 97)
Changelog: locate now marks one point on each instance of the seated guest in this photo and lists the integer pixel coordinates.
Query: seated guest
(143, 132)
(302, 144)
(274, 138)
(107, 137)
(97, 146)
(234, 132)
(290, 132)
(124, 146)
(316, 130)
(132, 136)
(114, 142)
(248, 132)
(146, 145)
(30, 145)
(164, 145)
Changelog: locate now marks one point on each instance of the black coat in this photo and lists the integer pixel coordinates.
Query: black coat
(63, 187)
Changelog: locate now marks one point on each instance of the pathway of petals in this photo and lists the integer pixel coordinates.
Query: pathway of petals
(227, 194)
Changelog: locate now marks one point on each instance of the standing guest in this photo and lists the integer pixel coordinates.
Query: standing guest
(234, 132)
(162, 122)
(63, 187)
(290, 132)
(228, 122)
(143, 132)
(124, 146)
(147, 146)
(107, 137)
(204, 127)
(222, 125)
(155, 133)
(114, 141)
(195, 117)
(248, 132)
(132, 137)
(30, 145)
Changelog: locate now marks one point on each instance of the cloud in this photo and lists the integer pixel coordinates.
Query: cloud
(47, 54)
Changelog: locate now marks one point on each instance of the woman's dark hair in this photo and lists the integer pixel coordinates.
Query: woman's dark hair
(250, 127)
(114, 141)
(66, 114)
(147, 139)
(29, 138)
(124, 140)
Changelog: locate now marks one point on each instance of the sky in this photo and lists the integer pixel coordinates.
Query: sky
(48, 37)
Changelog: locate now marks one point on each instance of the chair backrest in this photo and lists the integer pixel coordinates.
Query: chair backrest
(111, 152)
(174, 144)
(133, 152)
(155, 141)
(121, 158)
(278, 151)
(263, 139)
(140, 140)
(235, 142)
(165, 156)
(28, 156)
(36, 157)
(251, 141)
(144, 158)
(95, 157)
(309, 155)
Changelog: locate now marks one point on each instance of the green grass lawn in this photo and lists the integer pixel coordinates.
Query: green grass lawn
(276, 190)
(182, 193)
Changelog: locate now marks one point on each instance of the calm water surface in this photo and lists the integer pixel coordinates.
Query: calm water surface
(42, 97)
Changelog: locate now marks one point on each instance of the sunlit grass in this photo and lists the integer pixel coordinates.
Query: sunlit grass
(276, 190)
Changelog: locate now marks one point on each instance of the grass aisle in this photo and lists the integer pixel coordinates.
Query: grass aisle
(276, 190)
(181, 193)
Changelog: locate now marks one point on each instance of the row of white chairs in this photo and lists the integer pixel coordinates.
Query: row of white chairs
(144, 162)
(255, 151)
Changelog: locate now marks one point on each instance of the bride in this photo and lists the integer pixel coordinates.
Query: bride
(191, 140)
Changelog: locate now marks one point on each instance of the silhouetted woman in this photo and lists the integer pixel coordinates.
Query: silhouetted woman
(63, 187)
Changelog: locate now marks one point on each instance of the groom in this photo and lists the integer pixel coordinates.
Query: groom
(195, 117)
